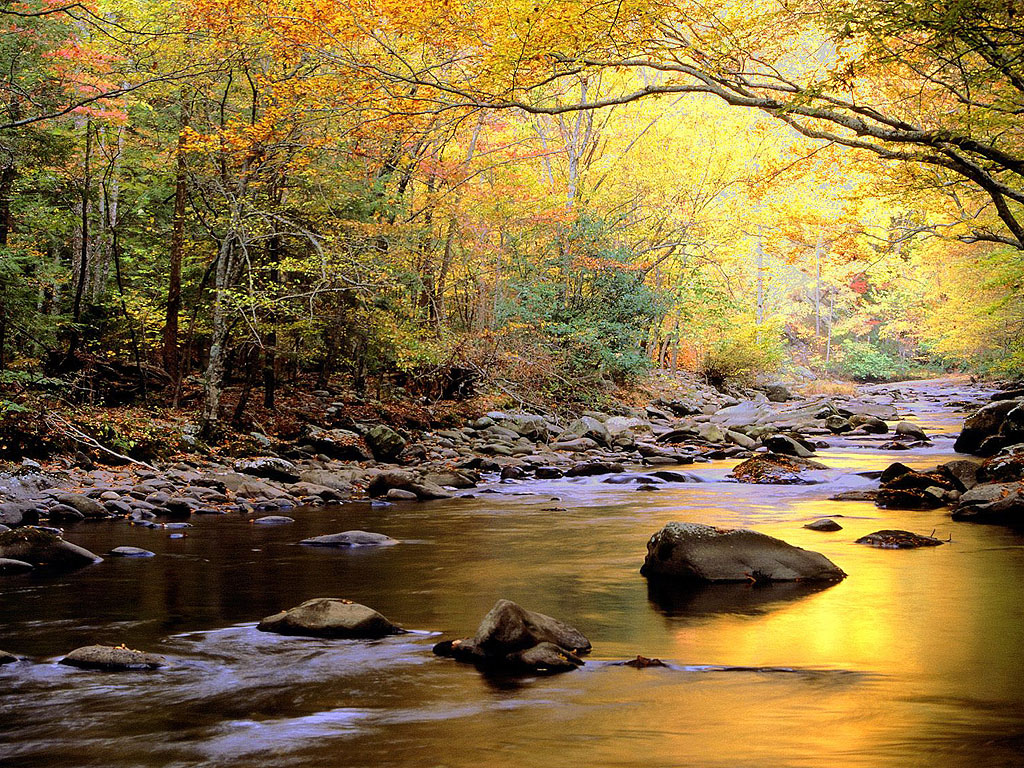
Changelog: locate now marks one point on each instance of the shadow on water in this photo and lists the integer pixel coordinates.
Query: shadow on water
(682, 601)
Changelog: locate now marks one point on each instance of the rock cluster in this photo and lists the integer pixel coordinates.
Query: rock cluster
(514, 639)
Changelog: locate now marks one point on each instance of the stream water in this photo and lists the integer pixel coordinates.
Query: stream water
(915, 659)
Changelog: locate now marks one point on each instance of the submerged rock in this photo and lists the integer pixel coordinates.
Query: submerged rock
(39, 547)
(7, 658)
(894, 539)
(330, 617)
(640, 662)
(825, 524)
(515, 639)
(350, 539)
(273, 520)
(131, 552)
(704, 554)
(860, 495)
(112, 659)
(774, 469)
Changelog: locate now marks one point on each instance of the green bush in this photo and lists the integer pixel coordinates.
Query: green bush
(743, 352)
(864, 361)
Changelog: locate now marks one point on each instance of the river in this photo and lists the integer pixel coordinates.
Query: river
(915, 659)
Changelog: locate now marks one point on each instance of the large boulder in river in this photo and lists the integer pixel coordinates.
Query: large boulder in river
(514, 638)
(983, 425)
(999, 503)
(112, 659)
(330, 617)
(692, 552)
(43, 548)
(775, 469)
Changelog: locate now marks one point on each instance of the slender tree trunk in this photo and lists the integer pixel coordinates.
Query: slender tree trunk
(213, 384)
(270, 339)
(83, 258)
(817, 287)
(171, 358)
(759, 258)
(7, 177)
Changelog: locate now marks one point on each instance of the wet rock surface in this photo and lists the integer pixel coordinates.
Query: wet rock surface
(350, 539)
(513, 639)
(112, 659)
(330, 617)
(44, 548)
(691, 552)
(895, 539)
(775, 469)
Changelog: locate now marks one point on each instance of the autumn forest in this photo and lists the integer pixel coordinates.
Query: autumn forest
(611, 383)
(205, 201)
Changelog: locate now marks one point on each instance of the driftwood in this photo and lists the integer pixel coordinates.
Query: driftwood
(71, 431)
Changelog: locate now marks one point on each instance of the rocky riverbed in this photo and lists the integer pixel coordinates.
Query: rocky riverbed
(776, 433)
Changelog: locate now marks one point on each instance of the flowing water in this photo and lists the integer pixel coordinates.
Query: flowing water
(915, 659)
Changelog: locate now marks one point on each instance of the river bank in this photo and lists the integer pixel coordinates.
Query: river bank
(331, 465)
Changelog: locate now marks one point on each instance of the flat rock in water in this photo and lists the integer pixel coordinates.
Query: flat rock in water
(825, 524)
(691, 552)
(854, 496)
(130, 552)
(274, 520)
(350, 539)
(7, 658)
(640, 662)
(774, 469)
(330, 617)
(9, 565)
(898, 540)
(112, 659)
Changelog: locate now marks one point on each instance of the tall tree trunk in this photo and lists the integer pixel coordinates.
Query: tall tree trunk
(759, 261)
(270, 339)
(213, 384)
(817, 287)
(171, 357)
(7, 177)
(83, 257)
